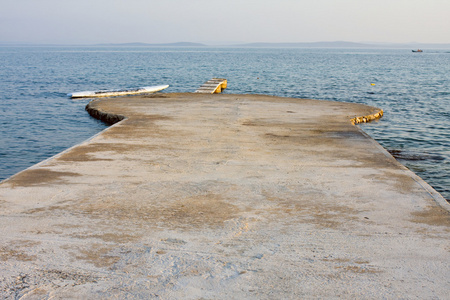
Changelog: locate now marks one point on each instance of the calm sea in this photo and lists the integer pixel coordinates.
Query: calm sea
(38, 120)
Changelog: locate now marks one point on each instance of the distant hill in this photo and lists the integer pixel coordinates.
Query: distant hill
(179, 44)
(306, 45)
(342, 44)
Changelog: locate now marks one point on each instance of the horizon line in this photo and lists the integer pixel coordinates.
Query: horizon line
(237, 44)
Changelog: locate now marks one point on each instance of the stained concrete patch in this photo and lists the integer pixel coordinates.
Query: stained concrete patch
(116, 237)
(7, 253)
(92, 151)
(83, 153)
(432, 215)
(17, 250)
(201, 211)
(206, 210)
(35, 177)
(309, 209)
(97, 254)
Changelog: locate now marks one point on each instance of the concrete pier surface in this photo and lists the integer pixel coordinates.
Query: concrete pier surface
(198, 196)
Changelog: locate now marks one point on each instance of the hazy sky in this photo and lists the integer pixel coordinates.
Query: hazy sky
(212, 21)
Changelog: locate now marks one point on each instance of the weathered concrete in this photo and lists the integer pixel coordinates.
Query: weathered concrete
(223, 197)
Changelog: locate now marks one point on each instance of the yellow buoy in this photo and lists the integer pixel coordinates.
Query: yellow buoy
(372, 84)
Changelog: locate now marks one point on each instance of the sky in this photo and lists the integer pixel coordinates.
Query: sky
(223, 22)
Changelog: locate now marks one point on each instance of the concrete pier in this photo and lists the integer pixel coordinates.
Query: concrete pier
(215, 196)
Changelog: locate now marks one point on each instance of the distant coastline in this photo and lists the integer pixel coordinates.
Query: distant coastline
(335, 44)
(343, 44)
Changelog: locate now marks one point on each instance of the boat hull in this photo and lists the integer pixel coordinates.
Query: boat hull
(115, 93)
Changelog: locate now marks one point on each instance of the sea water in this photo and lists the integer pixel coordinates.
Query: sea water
(38, 120)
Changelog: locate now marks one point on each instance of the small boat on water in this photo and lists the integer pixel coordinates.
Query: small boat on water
(122, 92)
(418, 50)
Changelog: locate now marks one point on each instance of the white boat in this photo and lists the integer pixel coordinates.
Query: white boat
(113, 93)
